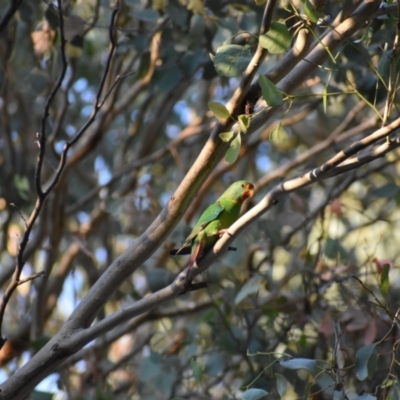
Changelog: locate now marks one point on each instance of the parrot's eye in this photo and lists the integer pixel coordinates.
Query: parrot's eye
(242, 185)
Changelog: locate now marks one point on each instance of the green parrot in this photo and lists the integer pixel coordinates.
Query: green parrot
(215, 221)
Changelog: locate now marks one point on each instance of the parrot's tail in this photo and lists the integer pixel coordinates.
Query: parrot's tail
(185, 251)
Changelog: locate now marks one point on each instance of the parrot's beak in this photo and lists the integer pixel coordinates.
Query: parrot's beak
(249, 191)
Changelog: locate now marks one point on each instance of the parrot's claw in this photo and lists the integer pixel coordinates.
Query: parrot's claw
(222, 231)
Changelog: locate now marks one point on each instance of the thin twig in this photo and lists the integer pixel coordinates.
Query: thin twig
(20, 214)
(30, 278)
(41, 196)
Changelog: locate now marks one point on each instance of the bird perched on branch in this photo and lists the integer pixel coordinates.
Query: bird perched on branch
(214, 222)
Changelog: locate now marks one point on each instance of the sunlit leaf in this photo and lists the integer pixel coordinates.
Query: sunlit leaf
(226, 136)
(278, 135)
(219, 110)
(300, 363)
(254, 394)
(365, 361)
(232, 60)
(271, 94)
(260, 2)
(277, 39)
(233, 152)
(310, 11)
(244, 122)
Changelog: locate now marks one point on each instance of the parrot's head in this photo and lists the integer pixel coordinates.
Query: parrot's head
(239, 191)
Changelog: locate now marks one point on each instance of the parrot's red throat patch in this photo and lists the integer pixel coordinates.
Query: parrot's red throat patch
(248, 192)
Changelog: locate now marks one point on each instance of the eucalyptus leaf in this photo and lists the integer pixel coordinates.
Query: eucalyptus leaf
(363, 358)
(251, 287)
(244, 122)
(226, 136)
(196, 369)
(233, 152)
(254, 394)
(278, 135)
(271, 94)
(219, 110)
(232, 60)
(300, 363)
(384, 284)
(39, 395)
(310, 11)
(281, 384)
(277, 40)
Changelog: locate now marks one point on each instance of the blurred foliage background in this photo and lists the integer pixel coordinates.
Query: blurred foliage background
(284, 313)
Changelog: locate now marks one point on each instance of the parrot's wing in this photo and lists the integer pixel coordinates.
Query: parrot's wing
(210, 214)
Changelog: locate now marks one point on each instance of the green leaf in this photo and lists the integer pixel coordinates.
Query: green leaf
(244, 122)
(232, 60)
(260, 2)
(388, 191)
(300, 363)
(196, 369)
(384, 65)
(277, 40)
(384, 286)
(251, 287)
(233, 152)
(144, 64)
(39, 343)
(150, 367)
(310, 11)
(215, 364)
(38, 395)
(103, 394)
(278, 135)
(254, 394)
(219, 110)
(22, 185)
(334, 249)
(271, 94)
(365, 361)
(226, 136)
(281, 384)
